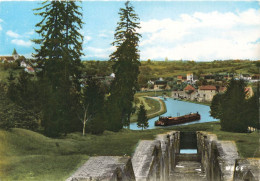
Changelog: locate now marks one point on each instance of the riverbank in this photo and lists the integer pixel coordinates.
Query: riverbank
(153, 105)
(162, 108)
(27, 155)
(195, 102)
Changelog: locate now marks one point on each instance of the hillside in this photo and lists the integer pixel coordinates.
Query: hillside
(173, 68)
(27, 155)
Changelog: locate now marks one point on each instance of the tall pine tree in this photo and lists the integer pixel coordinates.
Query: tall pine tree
(58, 54)
(126, 67)
(233, 107)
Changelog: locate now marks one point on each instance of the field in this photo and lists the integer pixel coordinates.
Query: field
(27, 155)
(174, 68)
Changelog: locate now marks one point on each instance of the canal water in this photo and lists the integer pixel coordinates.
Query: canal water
(179, 108)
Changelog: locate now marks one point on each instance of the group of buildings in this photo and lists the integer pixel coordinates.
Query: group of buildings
(203, 93)
(20, 60)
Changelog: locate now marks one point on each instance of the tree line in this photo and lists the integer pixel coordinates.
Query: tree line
(54, 100)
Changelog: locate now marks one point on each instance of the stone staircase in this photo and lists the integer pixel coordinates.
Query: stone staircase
(188, 168)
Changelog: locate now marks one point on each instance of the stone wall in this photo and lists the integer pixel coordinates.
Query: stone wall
(155, 159)
(152, 160)
(221, 162)
(247, 169)
(112, 168)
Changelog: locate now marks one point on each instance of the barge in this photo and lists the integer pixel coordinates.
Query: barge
(167, 121)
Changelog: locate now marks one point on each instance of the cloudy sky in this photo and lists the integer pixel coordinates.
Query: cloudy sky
(188, 30)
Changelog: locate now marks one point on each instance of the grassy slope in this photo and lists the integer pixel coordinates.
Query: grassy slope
(26, 155)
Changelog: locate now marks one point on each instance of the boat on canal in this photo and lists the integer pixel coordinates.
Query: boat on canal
(167, 121)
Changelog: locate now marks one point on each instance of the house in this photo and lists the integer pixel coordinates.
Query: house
(190, 77)
(7, 59)
(181, 79)
(189, 89)
(206, 93)
(245, 77)
(160, 85)
(29, 69)
(23, 64)
(209, 78)
(190, 92)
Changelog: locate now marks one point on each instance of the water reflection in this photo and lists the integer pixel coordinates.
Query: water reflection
(176, 108)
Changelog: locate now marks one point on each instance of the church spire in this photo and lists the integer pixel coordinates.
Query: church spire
(14, 52)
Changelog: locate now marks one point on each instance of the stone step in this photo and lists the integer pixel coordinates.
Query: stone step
(188, 171)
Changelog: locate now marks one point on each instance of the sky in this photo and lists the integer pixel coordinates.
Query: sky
(179, 30)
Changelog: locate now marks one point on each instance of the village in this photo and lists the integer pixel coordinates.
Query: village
(93, 90)
(191, 87)
(15, 60)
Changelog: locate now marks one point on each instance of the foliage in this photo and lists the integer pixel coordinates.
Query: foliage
(126, 67)
(93, 101)
(253, 110)
(13, 115)
(233, 117)
(59, 57)
(231, 107)
(215, 107)
(142, 120)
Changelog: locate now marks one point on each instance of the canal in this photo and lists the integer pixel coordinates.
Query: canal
(179, 108)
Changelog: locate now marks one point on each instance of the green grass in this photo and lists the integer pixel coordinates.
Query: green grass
(152, 106)
(156, 109)
(27, 155)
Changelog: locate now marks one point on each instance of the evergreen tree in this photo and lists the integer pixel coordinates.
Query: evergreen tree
(126, 66)
(142, 120)
(60, 48)
(233, 106)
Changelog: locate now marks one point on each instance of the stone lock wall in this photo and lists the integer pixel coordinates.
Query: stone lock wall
(152, 160)
(221, 162)
(112, 168)
(155, 159)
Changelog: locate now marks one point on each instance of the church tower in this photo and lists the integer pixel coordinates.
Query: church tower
(15, 54)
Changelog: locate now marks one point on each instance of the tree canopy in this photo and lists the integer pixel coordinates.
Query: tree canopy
(58, 55)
